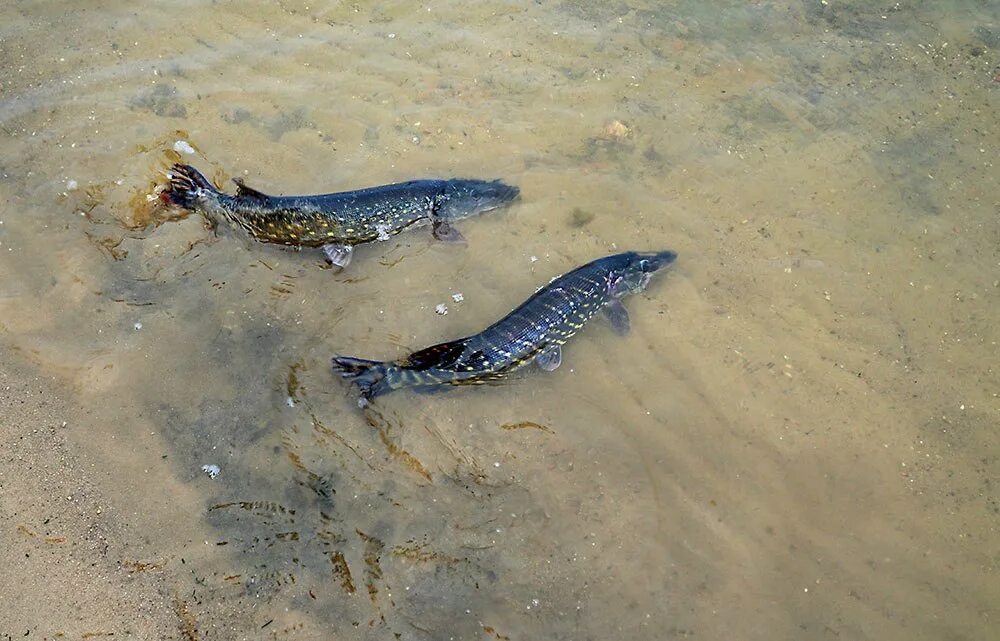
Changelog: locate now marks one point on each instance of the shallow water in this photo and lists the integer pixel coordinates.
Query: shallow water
(797, 440)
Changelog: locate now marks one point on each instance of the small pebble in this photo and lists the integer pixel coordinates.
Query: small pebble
(290, 402)
(137, 326)
(617, 130)
(458, 298)
(534, 259)
(441, 309)
(182, 147)
(211, 469)
(71, 185)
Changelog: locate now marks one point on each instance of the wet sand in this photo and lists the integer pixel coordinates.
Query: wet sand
(797, 439)
(66, 549)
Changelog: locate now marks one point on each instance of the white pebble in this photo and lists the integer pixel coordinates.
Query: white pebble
(441, 309)
(290, 402)
(182, 147)
(211, 469)
(534, 259)
(137, 326)
(458, 298)
(72, 184)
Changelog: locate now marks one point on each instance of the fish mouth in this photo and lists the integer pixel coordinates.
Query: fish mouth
(512, 192)
(655, 261)
(499, 195)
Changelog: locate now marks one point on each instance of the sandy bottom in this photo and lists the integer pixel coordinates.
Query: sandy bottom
(797, 440)
(67, 552)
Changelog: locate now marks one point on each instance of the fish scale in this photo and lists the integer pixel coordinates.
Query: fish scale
(339, 221)
(360, 217)
(550, 316)
(534, 331)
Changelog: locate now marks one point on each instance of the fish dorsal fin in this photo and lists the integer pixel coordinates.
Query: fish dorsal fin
(247, 192)
(436, 356)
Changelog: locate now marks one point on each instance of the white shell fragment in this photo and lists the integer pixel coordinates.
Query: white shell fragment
(458, 297)
(441, 309)
(211, 469)
(183, 147)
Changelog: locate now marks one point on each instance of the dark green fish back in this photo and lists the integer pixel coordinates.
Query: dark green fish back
(533, 331)
(351, 218)
(550, 317)
(343, 218)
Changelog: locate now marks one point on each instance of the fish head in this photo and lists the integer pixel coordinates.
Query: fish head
(464, 198)
(632, 271)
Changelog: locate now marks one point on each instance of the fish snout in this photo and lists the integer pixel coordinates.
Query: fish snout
(471, 197)
(509, 193)
(655, 261)
(496, 194)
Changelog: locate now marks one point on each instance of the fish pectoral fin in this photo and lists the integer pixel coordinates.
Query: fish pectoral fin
(248, 192)
(439, 356)
(549, 358)
(338, 255)
(617, 315)
(444, 232)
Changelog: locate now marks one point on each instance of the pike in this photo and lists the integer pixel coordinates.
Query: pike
(534, 332)
(337, 222)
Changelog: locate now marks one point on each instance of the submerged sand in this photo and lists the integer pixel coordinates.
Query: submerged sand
(797, 440)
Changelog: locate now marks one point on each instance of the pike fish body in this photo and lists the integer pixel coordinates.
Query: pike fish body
(534, 332)
(337, 222)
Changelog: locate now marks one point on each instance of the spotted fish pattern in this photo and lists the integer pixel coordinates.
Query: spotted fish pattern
(534, 332)
(338, 221)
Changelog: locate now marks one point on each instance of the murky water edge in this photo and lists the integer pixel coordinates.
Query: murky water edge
(796, 440)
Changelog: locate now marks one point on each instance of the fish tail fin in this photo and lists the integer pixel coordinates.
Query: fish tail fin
(368, 376)
(187, 184)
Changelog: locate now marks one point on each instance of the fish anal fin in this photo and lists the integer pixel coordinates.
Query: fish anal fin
(436, 356)
(248, 192)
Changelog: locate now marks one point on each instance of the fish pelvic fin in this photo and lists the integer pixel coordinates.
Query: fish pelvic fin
(187, 184)
(368, 376)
